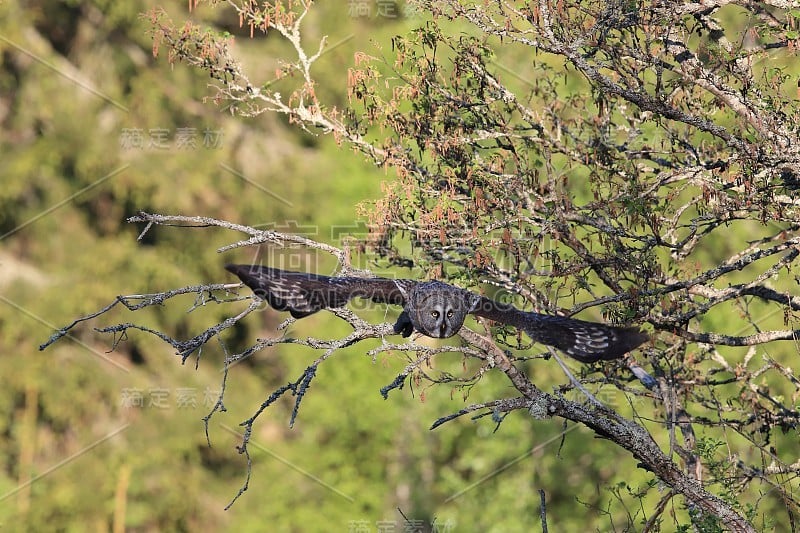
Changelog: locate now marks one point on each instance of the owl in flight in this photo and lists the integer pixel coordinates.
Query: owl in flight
(435, 309)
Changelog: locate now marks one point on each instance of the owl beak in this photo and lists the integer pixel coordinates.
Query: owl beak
(442, 331)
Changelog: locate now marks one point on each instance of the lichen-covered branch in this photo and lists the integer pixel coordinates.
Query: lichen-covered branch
(643, 165)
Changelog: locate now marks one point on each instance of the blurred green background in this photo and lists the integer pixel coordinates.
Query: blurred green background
(94, 129)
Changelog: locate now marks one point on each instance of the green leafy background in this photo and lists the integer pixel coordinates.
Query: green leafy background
(75, 77)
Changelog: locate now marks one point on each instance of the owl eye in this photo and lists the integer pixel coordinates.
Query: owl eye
(450, 314)
(435, 314)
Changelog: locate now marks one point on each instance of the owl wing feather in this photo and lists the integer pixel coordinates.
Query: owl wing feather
(304, 294)
(585, 341)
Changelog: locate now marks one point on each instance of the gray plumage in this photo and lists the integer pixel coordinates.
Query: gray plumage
(435, 309)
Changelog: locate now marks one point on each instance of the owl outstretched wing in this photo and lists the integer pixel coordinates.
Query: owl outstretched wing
(303, 294)
(585, 341)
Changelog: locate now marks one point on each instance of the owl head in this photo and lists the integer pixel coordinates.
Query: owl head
(437, 309)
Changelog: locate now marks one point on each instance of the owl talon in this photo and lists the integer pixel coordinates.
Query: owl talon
(403, 326)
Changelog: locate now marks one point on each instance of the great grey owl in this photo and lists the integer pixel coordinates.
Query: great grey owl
(435, 309)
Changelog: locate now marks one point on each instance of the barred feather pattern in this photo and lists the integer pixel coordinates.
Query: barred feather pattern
(435, 309)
